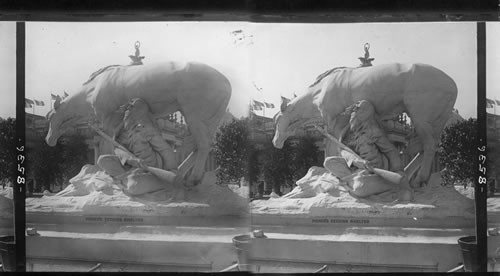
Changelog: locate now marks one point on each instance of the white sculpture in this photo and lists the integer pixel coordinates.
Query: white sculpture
(424, 92)
(197, 90)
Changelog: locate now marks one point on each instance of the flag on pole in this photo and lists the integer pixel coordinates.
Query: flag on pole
(258, 105)
(27, 105)
(490, 103)
(29, 101)
(39, 103)
(269, 105)
(498, 102)
(54, 97)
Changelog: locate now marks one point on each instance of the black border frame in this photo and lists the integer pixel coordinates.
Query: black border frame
(19, 187)
(480, 190)
(298, 11)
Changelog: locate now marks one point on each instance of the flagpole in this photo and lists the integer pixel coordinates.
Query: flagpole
(495, 107)
(250, 108)
(494, 117)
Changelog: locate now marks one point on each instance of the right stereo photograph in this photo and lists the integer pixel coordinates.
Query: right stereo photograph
(367, 162)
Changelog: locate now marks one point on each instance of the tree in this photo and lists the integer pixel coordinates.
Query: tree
(458, 154)
(276, 166)
(233, 151)
(7, 148)
(57, 164)
(73, 156)
(287, 165)
(304, 156)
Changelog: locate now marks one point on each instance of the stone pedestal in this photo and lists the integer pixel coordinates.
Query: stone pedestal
(330, 227)
(136, 233)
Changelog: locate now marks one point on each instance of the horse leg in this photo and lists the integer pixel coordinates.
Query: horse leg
(429, 143)
(429, 109)
(330, 146)
(200, 155)
(192, 168)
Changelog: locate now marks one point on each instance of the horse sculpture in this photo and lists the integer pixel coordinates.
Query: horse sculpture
(198, 91)
(424, 92)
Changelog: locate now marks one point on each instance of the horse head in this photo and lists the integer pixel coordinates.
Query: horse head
(64, 116)
(286, 121)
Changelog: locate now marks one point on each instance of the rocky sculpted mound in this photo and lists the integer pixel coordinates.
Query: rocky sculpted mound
(320, 194)
(94, 192)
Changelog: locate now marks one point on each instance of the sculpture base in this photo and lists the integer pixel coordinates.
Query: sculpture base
(125, 233)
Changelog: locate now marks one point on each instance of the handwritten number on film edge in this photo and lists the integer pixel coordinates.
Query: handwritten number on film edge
(482, 169)
(20, 157)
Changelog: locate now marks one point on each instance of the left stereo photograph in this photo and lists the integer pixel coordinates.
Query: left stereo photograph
(124, 125)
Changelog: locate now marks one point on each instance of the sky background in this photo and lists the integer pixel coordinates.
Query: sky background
(278, 59)
(7, 69)
(493, 63)
(297, 53)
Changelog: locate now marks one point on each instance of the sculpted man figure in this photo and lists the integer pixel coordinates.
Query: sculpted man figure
(139, 134)
(365, 137)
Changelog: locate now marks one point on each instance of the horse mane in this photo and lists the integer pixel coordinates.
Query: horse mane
(328, 72)
(100, 71)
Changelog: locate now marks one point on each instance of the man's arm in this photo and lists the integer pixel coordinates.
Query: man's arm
(391, 152)
(165, 151)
